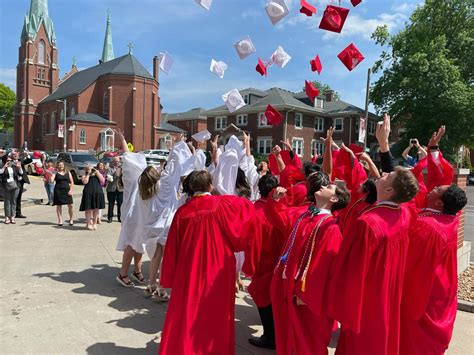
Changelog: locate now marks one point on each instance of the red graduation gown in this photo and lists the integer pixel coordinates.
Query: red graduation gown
(304, 329)
(199, 266)
(264, 254)
(429, 301)
(366, 290)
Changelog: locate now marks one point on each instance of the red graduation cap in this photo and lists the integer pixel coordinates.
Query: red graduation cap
(273, 116)
(261, 67)
(334, 18)
(355, 2)
(350, 56)
(316, 64)
(307, 9)
(355, 148)
(310, 90)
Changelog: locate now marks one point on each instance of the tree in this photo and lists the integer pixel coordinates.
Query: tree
(429, 73)
(7, 102)
(324, 87)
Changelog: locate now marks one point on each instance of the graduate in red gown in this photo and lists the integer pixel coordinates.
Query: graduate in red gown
(366, 289)
(199, 266)
(429, 302)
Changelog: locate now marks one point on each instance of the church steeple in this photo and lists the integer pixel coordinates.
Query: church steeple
(37, 14)
(108, 50)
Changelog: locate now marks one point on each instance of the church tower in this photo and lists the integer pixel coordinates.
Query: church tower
(108, 50)
(37, 73)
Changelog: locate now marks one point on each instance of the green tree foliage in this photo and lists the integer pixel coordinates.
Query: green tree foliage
(7, 102)
(427, 77)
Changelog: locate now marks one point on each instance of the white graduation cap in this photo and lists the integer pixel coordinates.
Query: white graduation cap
(280, 57)
(166, 62)
(276, 10)
(202, 136)
(244, 47)
(205, 3)
(233, 100)
(218, 68)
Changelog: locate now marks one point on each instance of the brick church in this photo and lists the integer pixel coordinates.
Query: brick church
(116, 93)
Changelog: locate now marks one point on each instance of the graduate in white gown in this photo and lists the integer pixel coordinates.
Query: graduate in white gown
(130, 241)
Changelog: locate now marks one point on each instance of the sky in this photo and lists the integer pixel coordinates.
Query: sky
(193, 36)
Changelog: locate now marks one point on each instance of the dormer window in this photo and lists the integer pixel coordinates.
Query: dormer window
(318, 103)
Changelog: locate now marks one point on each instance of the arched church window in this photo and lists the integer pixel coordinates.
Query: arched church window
(41, 52)
(82, 136)
(105, 104)
(52, 126)
(73, 112)
(62, 115)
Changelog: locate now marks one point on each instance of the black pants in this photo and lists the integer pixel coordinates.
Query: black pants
(266, 315)
(18, 200)
(112, 197)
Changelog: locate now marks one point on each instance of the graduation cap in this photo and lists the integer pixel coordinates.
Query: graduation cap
(276, 10)
(355, 2)
(244, 47)
(316, 64)
(204, 3)
(310, 90)
(333, 18)
(261, 67)
(233, 100)
(202, 136)
(273, 116)
(165, 62)
(306, 8)
(280, 57)
(218, 68)
(350, 56)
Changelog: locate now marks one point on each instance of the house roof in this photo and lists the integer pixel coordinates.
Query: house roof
(167, 127)
(194, 113)
(78, 82)
(90, 117)
(285, 99)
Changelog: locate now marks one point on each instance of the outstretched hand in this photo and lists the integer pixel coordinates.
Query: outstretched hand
(382, 133)
(276, 150)
(214, 143)
(436, 136)
(286, 144)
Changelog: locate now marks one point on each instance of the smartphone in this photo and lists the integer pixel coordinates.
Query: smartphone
(413, 141)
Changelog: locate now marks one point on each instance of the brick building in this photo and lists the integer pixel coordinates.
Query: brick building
(304, 121)
(191, 121)
(116, 93)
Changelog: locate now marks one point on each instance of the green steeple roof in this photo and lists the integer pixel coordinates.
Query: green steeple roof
(108, 51)
(37, 14)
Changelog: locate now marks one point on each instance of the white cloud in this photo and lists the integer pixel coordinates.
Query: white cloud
(8, 77)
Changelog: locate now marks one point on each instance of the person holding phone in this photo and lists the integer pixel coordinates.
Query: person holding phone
(92, 196)
(410, 161)
(11, 174)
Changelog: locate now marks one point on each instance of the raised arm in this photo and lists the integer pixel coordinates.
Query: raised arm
(350, 153)
(407, 150)
(122, 140)
(214, 155)
(327, 156)
(382, 133)
(373, 171)
(276, 151)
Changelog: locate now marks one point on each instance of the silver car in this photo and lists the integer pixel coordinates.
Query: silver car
(76, 162)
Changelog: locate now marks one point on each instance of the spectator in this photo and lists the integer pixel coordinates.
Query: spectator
(103, 171)
(24, 159)
(62, 192)
(410, 161)
(11, 174)
(114, 188)
(92, 196)
(48, 171)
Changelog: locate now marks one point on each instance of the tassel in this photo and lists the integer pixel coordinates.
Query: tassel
(303, 285)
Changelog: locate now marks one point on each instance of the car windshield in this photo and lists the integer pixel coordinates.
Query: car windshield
(161, 152)
(82, 158)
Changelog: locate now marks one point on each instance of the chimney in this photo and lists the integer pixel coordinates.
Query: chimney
(155, 67)
(329, 95)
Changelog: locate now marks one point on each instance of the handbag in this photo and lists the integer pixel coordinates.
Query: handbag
(11, 185)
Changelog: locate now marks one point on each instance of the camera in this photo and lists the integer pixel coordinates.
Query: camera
(413, 141)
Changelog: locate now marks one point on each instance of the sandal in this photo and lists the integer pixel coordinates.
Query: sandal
(138, 276)
(71, 222)
(121, 280)
(13, 221)
(7, 221)
(160, 295)
(150, 290)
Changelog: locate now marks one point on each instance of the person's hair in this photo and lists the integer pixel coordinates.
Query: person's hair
(405, 185)
(370, 189)
(242, 187)
(343, 197)
(98, 164)
(310, 168)
(266, 184)
(314, 182)
(61, 161)
(4, 159)
(197, 181)
(147, 182)
(454, 199)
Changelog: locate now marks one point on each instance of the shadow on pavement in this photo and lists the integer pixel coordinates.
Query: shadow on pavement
(111, 348)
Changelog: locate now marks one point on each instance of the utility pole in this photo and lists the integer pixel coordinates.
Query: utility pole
(65, 124)
(367, 92)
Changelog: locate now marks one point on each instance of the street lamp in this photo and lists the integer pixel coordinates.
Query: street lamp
(65, 125)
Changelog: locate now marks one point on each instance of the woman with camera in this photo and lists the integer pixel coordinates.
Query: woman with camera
(92, 196)
(62, 194)
(11, 175)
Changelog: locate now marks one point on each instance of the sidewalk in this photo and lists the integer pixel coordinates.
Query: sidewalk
(59, 295)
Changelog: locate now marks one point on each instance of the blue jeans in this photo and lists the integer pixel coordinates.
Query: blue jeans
(49, 187)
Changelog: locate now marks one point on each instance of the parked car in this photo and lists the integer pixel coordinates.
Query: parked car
(160, 154)
(470, 179)
(75, 162)
(36, 166)
(53, 157)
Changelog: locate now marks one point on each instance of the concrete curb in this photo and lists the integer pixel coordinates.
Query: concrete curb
(465, 306)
